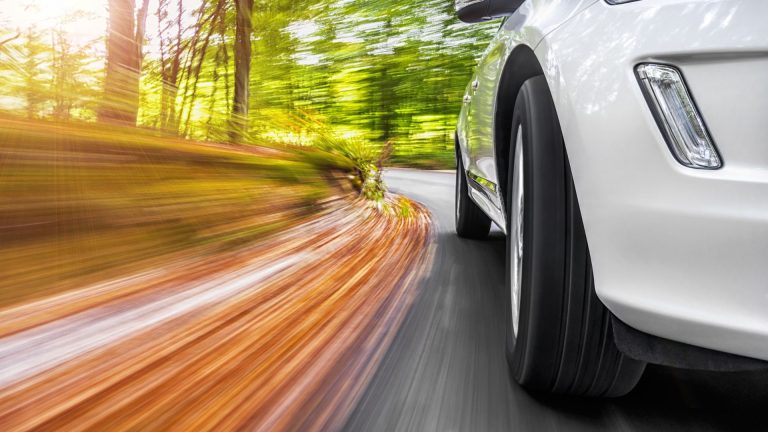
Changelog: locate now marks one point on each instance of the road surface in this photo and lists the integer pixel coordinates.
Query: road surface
(445, 370)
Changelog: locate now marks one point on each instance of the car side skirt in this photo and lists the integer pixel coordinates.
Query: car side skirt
(483, 193)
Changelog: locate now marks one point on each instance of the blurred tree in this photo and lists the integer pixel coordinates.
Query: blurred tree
(34, 87)
(170, 31)
(70, 90)
(195, 66)
(243, 31)
(264, 71)
(125, 40)
(9, 39)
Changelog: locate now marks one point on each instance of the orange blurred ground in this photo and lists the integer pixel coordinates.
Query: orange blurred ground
(278, 335)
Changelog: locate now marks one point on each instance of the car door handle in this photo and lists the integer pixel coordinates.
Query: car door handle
(467, 99)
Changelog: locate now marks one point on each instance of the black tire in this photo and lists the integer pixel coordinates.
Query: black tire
(564, 343)
(471, 221)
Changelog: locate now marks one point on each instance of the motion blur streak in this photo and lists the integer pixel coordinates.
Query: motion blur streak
(280, 335)
(151, 283)
(81, 203)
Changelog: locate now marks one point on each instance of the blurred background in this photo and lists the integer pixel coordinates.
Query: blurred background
(135, 129)
(367, 70)
(194, 229)
(195, 233)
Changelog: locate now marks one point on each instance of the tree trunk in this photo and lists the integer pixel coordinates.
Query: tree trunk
(243, 30)
(171, 67)
(124, 43)
(214, 18)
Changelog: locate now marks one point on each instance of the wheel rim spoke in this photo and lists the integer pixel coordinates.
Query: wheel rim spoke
(457, 201)
(516, 231)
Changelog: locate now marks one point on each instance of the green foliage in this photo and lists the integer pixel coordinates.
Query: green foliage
(43, 75)
(372, 188)
(365, 158)
(375, 72)
(381, 72)
(403, 207)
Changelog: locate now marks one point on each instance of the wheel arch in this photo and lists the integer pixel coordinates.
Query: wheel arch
(521, 65)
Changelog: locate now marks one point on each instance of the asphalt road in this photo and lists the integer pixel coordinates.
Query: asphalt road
(446, 371)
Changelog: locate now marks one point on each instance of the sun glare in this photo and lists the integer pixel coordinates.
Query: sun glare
(81, 20)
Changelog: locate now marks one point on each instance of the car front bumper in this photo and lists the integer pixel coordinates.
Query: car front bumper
(677, 252)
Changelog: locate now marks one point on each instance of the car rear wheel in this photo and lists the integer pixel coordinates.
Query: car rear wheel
(559, 336)
(471, 222)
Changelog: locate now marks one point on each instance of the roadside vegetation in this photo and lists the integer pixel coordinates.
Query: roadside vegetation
(82, 202)
(134, 131)
(229, 70)
(192, 197)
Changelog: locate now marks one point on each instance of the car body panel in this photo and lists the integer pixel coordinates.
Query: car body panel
(677, 252)
(527, 26)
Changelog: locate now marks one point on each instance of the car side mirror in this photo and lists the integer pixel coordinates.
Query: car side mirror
(472, 11)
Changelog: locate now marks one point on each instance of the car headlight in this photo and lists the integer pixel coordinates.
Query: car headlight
(677, 116)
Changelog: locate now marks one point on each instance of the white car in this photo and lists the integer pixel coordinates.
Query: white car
(622, 146)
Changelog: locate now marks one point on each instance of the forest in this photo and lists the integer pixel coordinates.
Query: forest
(277, 73)
(195, 231)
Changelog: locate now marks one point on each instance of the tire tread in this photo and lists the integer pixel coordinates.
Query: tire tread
(578, 355)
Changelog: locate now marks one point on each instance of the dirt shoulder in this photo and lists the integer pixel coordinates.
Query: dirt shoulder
(84, 203)
(283, 333)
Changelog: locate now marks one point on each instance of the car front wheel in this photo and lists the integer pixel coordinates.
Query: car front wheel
(559, 336)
